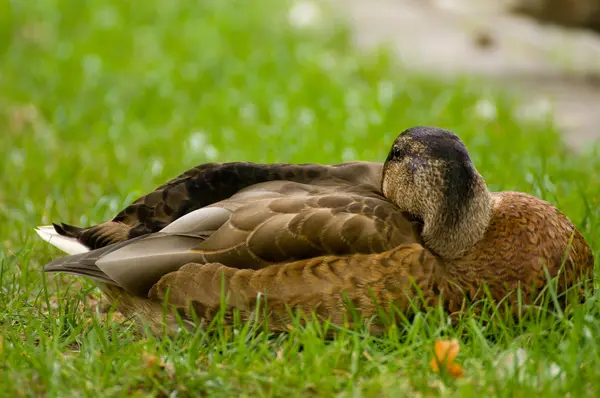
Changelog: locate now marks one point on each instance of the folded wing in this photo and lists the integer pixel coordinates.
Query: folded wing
(262, 225)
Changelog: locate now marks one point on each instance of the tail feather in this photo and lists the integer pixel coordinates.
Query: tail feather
(81, 260)
(68, 230)
(91, 272)
(85, 263)
(135, 264)
(68, 244)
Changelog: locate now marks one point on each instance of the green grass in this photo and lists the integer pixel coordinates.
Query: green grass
(101, 102)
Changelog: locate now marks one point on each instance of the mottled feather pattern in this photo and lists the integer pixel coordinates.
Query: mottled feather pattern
(326, 284)
(517, 246)
(525, 236)
(297, 227)
(210, 183)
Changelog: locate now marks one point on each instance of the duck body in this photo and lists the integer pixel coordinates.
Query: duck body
(318, 238)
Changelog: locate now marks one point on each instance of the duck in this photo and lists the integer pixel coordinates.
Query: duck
(280, 239)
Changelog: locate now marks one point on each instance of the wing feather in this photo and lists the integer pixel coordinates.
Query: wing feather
(321, 285)
(258, 233)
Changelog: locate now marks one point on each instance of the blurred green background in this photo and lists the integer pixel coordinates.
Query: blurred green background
(100, 102)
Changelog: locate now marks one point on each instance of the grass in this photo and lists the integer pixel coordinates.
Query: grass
(102, 101)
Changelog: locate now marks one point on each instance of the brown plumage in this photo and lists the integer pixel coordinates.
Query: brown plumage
(318, 238)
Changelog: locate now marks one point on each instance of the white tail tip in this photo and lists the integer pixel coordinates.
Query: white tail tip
(64, 243)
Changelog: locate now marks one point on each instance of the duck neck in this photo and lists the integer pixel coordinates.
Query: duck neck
(452, 229)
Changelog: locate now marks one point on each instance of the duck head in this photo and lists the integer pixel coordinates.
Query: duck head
(429, 174)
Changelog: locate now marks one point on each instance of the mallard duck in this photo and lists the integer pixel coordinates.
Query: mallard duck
(316, 238)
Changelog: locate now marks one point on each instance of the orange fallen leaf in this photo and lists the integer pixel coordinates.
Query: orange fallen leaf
(150, 360)
(445, 352)
(157, 364)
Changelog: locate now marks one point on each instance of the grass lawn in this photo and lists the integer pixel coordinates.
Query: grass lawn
(100, 102)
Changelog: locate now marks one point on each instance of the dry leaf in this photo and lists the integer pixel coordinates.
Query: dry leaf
(150, 360)
(445, 352)
(280, 354)
(156, 364)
